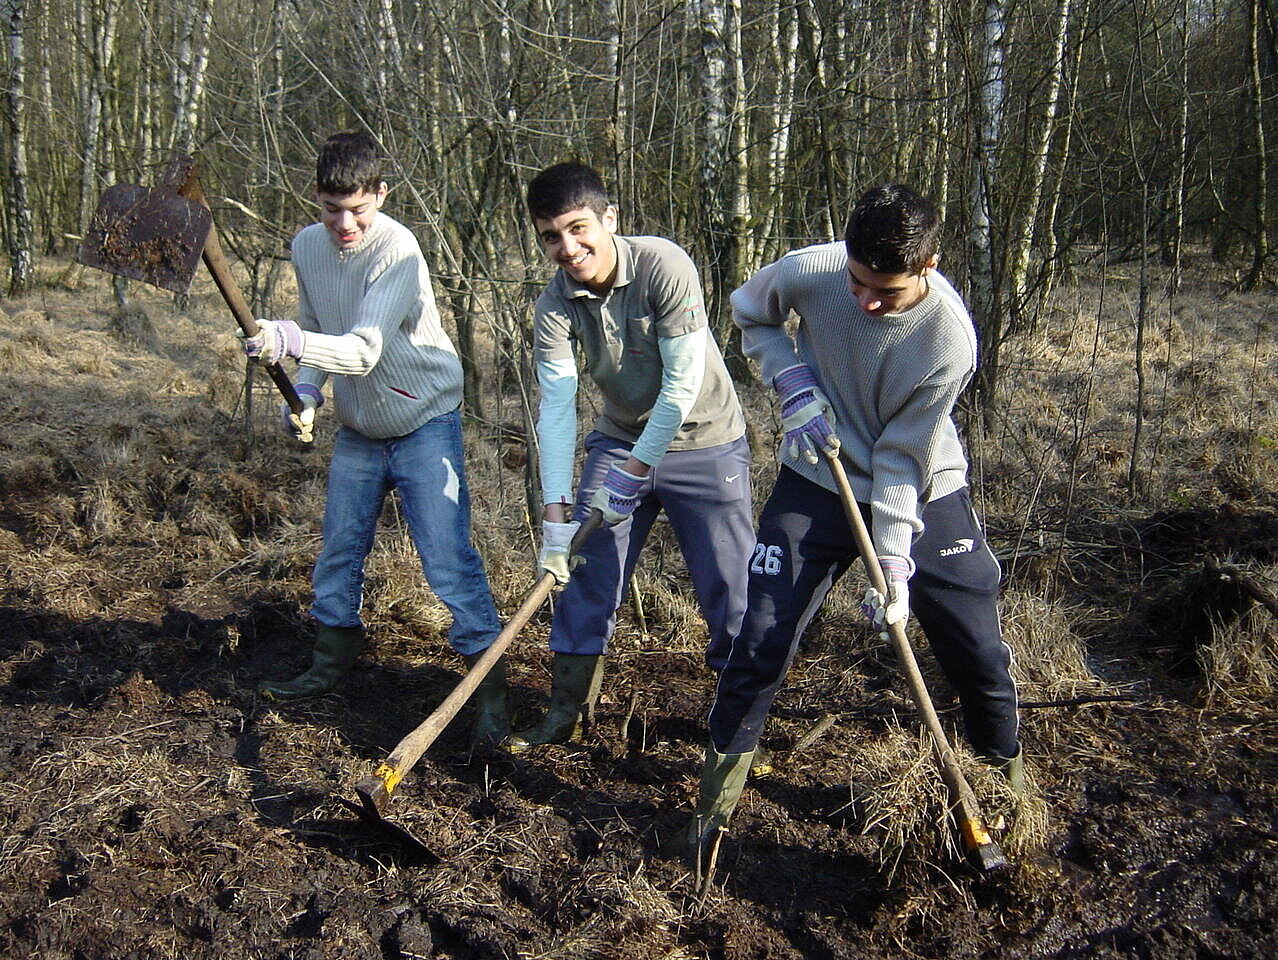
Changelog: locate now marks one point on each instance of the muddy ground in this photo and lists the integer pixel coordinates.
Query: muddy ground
(153, 567)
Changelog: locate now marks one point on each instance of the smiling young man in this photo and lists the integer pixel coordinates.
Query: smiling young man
(883, 347)
(670, 435)
(367, 320)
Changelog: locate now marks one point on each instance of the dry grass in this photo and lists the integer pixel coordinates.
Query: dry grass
(1240, 663)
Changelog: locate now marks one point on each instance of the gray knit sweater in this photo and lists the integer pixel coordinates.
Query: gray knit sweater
(892, 380)
(369, 315)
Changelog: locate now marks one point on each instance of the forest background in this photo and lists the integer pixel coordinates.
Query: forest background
(1051, 133)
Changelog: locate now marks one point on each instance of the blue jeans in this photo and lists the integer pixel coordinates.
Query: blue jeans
(426, 468)
(706, 495)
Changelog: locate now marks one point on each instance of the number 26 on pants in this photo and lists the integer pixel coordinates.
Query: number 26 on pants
(766, 559)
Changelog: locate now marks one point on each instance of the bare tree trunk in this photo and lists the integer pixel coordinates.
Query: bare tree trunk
(782, 55)
(20, 234)
(623, 188)
(988, 108)
(740, 248)
(1260, 241)
(1052, 270)
(813, 43)
(1023, 235)
(936, 167)
(1176, 237)
(189, 69)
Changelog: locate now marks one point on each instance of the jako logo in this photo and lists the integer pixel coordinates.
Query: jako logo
(963, 545)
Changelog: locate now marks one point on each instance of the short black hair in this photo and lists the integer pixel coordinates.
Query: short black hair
(893, 230)
(566, 186)
(348, 163)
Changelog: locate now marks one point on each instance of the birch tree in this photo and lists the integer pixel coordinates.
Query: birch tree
(987, 109)
(1260, 208)
(1023, 232)
(189, 68)
(19, 204)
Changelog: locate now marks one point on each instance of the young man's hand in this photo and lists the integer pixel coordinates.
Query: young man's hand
(300, 426)
(556, 539)
(618, 495)
(806, 414)
(896, 608)
(274, 340)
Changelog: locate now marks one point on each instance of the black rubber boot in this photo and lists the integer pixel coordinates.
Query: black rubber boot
(335, 651)
(722, 782)
(574, 687)
(492, 717)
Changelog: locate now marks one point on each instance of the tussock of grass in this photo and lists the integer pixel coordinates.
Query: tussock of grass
(1240, 662)
(1049, 658)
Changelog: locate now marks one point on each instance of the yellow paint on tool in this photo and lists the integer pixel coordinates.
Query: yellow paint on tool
(389, 776)
(977, 835)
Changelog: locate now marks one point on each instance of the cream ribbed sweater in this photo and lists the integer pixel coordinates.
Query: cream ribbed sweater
(369, 316)
(892, 380)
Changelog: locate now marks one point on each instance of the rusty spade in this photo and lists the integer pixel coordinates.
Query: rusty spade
(158, 235)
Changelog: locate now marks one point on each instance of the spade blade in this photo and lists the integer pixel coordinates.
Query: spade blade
(152, 235)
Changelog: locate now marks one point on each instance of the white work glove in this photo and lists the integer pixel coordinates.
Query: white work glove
(618, 495)
(896, 609)
(300, 426)
(274, 340)
(806, 415)
(556, 539)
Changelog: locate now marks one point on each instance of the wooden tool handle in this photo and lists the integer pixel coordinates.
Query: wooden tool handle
(410, 749)
(976, 838)
(220, 270)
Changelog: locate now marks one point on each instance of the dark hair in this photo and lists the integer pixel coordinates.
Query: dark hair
(348, 163)
(566, 186)
(893, 230)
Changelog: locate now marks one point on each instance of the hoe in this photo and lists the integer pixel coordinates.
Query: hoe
(159, 234)
(374, 792)
(981, 849)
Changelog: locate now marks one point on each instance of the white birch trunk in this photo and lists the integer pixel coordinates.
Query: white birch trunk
(1023, 235)
(21, 235)
(190, 67)
(988, 106)
(784, 53)
(1260, 223)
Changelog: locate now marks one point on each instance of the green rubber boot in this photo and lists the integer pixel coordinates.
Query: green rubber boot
(574, 687)
(492, 719)
(335, 651)
(722, 781)
(1012, 770)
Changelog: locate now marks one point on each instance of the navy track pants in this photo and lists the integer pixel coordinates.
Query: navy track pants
(804, 546)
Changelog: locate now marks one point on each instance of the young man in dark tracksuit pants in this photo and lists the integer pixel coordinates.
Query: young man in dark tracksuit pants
(883, 348)
(670, 436)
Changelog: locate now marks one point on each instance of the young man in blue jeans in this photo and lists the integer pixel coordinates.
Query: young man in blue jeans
(367, 320)
(883, 348)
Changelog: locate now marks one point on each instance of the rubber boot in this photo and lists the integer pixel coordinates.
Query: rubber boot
(722, 781)
(492, 717)
(335, 651)
(574, 687)
(1012, 770)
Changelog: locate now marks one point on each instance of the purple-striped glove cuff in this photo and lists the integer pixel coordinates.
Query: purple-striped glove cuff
(793, 380)
(309, 390)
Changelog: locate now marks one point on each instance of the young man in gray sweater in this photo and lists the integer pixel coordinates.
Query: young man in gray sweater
(883, 347)
(367, 321)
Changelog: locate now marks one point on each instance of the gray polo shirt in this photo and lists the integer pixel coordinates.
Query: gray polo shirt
(656, 294)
